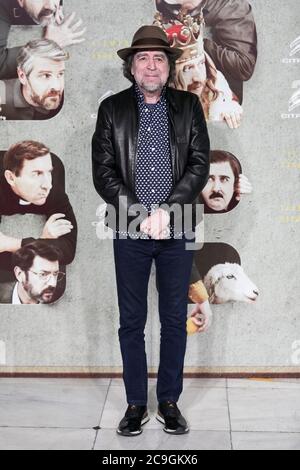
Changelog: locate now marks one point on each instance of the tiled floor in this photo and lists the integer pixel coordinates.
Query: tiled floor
(223, 414)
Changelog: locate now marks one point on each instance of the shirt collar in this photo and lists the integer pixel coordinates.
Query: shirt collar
(141, 98)
(24, 203)
(20, 102)
(15, 297)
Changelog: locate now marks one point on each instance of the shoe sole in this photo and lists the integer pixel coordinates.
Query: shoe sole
(134, 433)
(170, 431)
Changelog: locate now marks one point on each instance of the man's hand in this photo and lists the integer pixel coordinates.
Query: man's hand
(9, 244)
(243, 187)
(56, 226)
(232, 115)
(202, 316)
(157, 225)
(65, 33)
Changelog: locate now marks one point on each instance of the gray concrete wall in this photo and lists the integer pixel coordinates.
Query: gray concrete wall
(79, 333)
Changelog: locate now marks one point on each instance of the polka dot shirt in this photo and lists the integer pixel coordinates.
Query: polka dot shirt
(153, 181)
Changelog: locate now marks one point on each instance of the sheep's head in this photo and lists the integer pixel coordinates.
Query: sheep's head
(228, 283)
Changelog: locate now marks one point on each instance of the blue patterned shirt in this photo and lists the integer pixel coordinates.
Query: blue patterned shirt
(154, 180)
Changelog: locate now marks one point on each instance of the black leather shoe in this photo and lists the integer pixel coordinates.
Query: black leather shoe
(170, 416)
(131, 424)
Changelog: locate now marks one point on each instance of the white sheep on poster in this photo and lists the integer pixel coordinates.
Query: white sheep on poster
(228, 283)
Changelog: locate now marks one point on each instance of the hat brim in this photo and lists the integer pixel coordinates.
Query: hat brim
(172, 51)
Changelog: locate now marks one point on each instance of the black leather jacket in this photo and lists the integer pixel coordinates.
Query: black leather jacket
(114, 150)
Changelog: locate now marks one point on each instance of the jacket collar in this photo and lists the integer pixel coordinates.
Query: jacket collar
(169, 96)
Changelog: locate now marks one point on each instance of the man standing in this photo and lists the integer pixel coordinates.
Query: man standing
(47, 13)
(151, 149)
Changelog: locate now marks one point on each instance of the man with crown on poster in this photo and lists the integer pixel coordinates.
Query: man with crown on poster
(197, 73)
(230, 35)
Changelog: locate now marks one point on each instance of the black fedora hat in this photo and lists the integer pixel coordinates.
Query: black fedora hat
(150, 38)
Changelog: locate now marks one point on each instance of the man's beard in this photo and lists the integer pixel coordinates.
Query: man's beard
(45, 101)
(152, 87)
(197, 88)
(42, 20)
(171, 9)
(38, 298)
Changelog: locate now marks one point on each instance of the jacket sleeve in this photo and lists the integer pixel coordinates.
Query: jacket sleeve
(67, 243)
(109, 185)
(234, 45)
(8, 57)
(197, 170)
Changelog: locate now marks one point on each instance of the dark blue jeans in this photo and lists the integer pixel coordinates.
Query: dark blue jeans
(133, 260)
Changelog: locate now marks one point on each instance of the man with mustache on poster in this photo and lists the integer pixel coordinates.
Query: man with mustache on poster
(226, 183)
(32, 182)
(36, 269)
(38, 92)
(48, 14)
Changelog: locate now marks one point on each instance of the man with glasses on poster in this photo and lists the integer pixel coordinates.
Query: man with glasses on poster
(36, 269)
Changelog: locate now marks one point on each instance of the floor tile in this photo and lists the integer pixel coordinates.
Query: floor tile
(205, 409)
(204, 383)
(260, 409)
(265, 441)
(46, 439)
(51, 403)
(264, 383)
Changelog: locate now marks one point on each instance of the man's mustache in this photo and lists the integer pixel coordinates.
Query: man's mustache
(46, 12)
(216, 195)
(197, 84)
(52, 94)
(49, 290)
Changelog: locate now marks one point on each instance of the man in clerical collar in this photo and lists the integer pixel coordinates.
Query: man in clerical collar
(37, 94)
(36, 269)
(32, 182)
